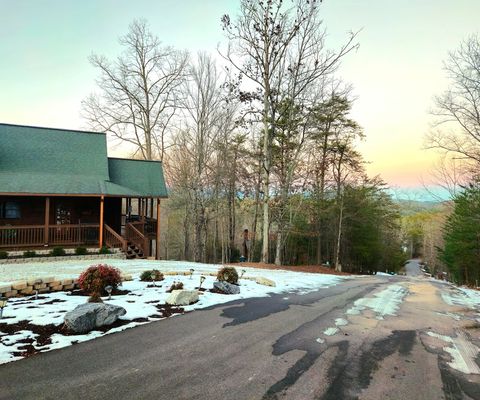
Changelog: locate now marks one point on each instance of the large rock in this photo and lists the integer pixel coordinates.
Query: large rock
(226, 288)
(182, 297)
(89, 316)
(264, 281)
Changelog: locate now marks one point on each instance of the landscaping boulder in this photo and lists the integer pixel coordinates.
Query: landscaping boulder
(89, 316)
(264, 281)
(226, 288)
(182, 297)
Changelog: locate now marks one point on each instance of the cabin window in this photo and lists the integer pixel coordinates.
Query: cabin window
(9, 210)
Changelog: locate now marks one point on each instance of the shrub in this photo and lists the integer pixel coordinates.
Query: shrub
(29, 254)
(104, 250)
(146, 276)
(175, 286)
(81, 251)
(57, 252)
(94, 279)
(3, 254)
(228, 274)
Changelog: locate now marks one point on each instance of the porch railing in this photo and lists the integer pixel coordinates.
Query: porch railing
(73, 234)
(135, 236)
(34, 235)
(24, 235)
(148, 226)
(113, 240)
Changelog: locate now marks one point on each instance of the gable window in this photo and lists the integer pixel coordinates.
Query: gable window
(10, 210)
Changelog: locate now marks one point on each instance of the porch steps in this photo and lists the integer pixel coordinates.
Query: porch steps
(134, 252)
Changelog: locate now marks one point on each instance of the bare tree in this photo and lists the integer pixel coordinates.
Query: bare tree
(280, 50)
(457, 125)
(138, 92)
(203, 117)
(449, 174)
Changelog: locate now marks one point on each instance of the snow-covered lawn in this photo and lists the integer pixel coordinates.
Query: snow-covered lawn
(141, 302)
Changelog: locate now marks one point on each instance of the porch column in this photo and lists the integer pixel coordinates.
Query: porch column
(47, 219)
(100, 236)
(157, 239)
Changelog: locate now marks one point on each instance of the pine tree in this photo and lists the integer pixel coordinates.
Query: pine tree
(461, 252)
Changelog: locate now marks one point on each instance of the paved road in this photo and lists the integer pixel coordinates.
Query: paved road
(275, 348)
(412, 268)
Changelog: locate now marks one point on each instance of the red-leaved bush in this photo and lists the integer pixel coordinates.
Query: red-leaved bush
(94, 279)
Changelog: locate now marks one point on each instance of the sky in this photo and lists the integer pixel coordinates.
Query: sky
(395, 73)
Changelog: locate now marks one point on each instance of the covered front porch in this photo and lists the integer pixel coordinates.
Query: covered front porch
(33, 222)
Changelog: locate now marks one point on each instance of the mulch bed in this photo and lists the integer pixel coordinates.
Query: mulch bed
(316, 269)
(115, 292)
(45, 332)
(166, 310)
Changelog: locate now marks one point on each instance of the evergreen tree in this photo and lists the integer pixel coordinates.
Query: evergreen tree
(461, 252)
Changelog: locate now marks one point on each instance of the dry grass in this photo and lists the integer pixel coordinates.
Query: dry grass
(316, 269)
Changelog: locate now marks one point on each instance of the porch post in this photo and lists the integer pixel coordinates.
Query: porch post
(47, 219)
(100, 236)
(157, 239)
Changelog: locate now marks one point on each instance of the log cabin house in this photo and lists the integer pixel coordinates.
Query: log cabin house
(58, 187)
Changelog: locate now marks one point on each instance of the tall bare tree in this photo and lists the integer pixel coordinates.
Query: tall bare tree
(205, 117)
(457, 125)
(138, 92)
(278, 48)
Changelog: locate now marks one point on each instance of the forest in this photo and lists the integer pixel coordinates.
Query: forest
(259, 147)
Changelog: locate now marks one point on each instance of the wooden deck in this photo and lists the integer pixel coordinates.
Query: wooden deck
(135, 234)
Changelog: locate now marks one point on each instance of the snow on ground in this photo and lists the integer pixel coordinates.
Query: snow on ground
(462, 352)
(140, 302)
(462, 297)
(383, 303)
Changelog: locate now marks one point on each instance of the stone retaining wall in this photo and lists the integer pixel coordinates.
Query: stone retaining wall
(117, 256)
(30, 286)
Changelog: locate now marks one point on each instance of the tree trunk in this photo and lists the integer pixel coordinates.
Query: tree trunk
(255, 215)
(186, 230)
(338, 266)
(198, 229)
(266, 198)
(278, 252)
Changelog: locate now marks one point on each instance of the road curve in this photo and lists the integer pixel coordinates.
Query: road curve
(366, 338)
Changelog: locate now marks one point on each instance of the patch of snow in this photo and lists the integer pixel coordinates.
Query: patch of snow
(462, 297)
(463, 352)
(386, 302)
(456, 317)
(330, 331)
(320, 340)
(341, 322)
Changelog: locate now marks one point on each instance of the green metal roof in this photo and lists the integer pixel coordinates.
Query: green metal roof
(56, 161)
(140, 175)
